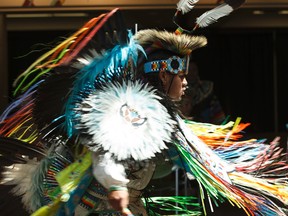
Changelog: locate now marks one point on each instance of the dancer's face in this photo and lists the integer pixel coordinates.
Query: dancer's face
(174, 85)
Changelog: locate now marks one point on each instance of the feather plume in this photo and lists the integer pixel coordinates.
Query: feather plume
(20, 176)
(218, 12)
(27, 180)
(65, 52)
(213, 15)
(186, 5)
(18, 161)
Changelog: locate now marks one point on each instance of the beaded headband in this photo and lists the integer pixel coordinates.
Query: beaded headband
(174, 65)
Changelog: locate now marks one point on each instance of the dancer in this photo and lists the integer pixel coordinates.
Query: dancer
(99, 122)
(84, 172)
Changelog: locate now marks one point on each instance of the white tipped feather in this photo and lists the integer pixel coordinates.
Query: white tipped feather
(186, 5)
(213, 15)
(16, 173)
(87, 58)
(139, 132)
(20, 175)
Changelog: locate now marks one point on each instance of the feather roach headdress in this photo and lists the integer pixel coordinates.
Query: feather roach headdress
(166, 51)
(152, 40)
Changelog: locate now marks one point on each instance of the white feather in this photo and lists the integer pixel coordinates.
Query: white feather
(213, 15)
(186, 5)
(20, 175)
(86, 59)
(100, 115)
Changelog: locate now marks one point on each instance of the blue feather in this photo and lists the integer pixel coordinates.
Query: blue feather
(109, 64)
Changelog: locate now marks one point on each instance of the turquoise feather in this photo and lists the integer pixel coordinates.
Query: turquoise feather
(111, 62)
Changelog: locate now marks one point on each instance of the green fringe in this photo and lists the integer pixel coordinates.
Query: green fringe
(174, 205)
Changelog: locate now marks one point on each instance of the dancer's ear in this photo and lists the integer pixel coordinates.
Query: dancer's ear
(163, 77)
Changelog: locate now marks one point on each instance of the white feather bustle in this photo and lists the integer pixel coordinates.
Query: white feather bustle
(100, 115)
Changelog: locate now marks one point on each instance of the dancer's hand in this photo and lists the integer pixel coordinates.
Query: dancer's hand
(119, 200)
